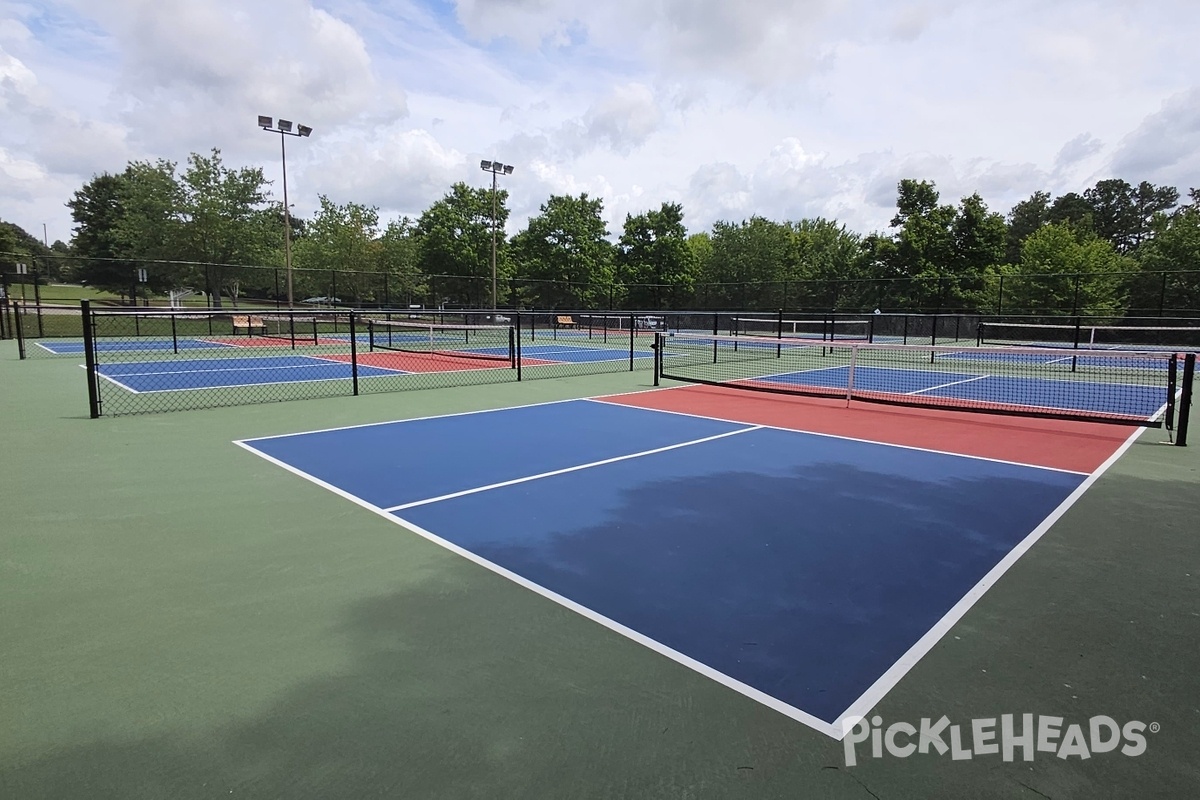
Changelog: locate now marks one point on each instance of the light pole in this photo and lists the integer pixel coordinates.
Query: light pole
(284, 130)
(496, 168)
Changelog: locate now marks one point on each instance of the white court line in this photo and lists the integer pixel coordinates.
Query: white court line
(839, 436)
(951, 383)
(565, 470)
(886, 682)
(202, 370)
(765, 699)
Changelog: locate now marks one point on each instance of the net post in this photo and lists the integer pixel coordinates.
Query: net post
(850, 375)
(904, 339)
(871, 329)
(979, 334)
(779, 334)
(517, 320)
(512, 348)
(933, 338)
(20, 326)
(1075, 346)
(716, 323)
(1185, 399)
(89, 358)
(353, 350)
(174, 335)
(657, 347)
(632, 336)
(1172, 383)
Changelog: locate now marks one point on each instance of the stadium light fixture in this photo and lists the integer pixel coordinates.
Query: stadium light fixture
(284, 129)
(496, 168)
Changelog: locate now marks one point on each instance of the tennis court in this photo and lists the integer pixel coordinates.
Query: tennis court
(770, 559)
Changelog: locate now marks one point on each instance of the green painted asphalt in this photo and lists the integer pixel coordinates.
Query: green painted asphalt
(182, 619)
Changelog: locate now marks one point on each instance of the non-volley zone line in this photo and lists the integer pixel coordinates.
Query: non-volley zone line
(673, 519)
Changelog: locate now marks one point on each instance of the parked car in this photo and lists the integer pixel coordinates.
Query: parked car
(651, 323)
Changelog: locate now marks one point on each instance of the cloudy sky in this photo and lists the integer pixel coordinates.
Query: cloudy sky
(784, 108)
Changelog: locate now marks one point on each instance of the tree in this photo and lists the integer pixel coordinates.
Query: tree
(340, 237)
(455, 240)
(1073, 209)
(224, 221)
(751, 261)
(97, 209)
(565, 253)
(979, 238)
(1066, 271)
(830, 261)
(653, 258)
(1025, 219)
(1170, 281)
(398, 258)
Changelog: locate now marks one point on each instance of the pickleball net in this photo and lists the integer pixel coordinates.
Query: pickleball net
(1180, 338)
(486, 342)
(813, 329)
(1115, 386)
(290, 328)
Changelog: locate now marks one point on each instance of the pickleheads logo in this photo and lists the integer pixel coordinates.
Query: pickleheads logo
(1006, 737)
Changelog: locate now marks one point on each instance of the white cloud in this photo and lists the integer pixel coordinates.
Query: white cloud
(787, 108)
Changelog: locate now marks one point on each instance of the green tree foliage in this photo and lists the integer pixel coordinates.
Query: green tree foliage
(750, 263)
(565, 255)
(1025, 218)
(345, 238)
(1174, 248)
(455, 239)
(832, 267)
(1072, 208)
(947, 254)
(1064, 270)
(654, 260)
(97, 209)
(399, 254)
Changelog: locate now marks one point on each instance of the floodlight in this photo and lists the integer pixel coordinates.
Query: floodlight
(285, 125)
(487, 165)
(304, 130)
(508, 169)
(264, 122)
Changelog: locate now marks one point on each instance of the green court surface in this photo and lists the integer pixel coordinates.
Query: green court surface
(182, 619)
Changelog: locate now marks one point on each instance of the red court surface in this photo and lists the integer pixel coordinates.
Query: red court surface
(1068, 445)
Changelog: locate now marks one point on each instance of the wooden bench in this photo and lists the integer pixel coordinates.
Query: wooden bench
(565, 322)
(249, 324)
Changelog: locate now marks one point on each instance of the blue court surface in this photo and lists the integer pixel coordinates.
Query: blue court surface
(131, 346)
(1121, 399)
(191, 374)
(807, 572)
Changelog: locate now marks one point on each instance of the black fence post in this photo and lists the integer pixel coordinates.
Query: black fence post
(1162, 295)
(37, 302)
(1172, 382)
(657, 347)
(1000, 297)
(89, 358)
(632, 336)
(353, 351)
(1185, 399)
(174, 336)
(779, 334)
(20, 326)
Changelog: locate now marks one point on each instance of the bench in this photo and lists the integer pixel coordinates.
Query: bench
(565, 322)
(249, 324)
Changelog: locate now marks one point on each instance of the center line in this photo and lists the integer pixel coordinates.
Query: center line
(489, 487)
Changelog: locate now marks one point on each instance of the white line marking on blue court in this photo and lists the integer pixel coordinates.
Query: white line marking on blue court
(613, 460)
(886, 682)
(951, 383)
(819, 725)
